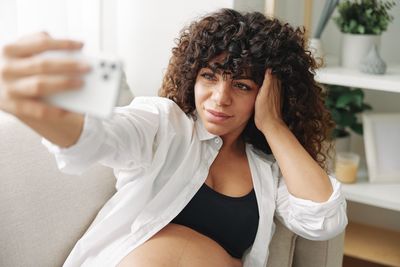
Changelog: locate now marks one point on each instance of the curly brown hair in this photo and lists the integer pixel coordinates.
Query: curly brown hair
(252, 43)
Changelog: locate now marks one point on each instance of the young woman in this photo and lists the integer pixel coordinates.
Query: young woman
(235, 138)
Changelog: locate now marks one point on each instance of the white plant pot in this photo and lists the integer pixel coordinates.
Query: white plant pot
(355, 47)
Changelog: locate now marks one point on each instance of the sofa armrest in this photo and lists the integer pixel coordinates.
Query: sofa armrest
(290, 250)
(319, 253)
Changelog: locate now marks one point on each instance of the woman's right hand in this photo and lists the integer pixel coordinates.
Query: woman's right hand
(25, 78)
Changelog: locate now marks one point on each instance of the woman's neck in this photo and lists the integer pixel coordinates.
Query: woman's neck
(233, 145)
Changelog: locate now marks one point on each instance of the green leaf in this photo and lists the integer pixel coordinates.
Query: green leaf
(366, 106)
(361, 29)
(329, 102)
(358, 91)
(346, 119)
(338, 133)
(344, 100)
(357, 100)
(353, 24)
(344, 103)
(336, 115)
(364, 16)
(357, 128)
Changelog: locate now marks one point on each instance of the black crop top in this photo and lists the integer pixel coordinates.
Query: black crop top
(231, 221)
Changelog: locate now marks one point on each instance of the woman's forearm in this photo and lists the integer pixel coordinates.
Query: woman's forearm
(63, 132)
(303, 176)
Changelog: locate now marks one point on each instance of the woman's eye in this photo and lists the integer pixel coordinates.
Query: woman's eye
(242, 86)
(208, 76)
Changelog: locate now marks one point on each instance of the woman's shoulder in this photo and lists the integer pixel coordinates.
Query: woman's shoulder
(162, 104)
(155, 101)
(165, 111)
(154, 106)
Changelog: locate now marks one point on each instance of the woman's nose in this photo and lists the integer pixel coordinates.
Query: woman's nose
(221, 94)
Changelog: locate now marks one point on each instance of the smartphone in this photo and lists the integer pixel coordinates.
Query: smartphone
(99, 94)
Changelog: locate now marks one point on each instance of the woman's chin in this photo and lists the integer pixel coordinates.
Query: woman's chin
(215, 129)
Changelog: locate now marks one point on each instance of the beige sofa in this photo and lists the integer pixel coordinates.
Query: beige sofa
(44, 212)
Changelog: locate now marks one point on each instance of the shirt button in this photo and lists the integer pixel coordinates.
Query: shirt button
(217, 140)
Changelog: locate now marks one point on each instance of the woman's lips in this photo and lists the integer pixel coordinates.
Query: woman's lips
(215, 116)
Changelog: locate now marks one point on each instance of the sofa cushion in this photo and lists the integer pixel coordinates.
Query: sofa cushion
(43, 212)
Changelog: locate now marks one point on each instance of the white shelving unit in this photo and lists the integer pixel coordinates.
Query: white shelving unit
(349, 77)
(363, 241)
(379, 195)
(385, 196)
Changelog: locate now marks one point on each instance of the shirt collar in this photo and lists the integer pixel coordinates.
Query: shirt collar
(204, 135)
(201, 131)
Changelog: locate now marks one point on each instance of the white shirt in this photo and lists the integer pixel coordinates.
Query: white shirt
(161, 158)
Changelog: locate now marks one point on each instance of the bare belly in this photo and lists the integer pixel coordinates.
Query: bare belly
(179, 246)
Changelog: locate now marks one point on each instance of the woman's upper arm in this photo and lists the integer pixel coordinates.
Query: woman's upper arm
(122, 141)
(131, 134)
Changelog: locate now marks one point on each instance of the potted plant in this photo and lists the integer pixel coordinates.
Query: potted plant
(362, 22)
(345, 103)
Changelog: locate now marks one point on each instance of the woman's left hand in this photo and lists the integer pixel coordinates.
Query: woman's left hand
(268, 105)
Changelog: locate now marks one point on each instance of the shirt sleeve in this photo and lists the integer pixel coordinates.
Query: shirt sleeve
(309, 219)
(124, 140)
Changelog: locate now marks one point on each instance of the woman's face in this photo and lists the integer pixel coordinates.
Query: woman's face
(224, 104)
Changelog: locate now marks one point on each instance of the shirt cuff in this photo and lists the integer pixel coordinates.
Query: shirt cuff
(315, 213)
(74, 159)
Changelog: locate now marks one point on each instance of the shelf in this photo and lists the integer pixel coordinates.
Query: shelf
(382, 195)
(372, 244)
(354, 78)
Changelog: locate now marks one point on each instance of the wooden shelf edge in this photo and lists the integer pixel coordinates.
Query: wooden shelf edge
(372, 244)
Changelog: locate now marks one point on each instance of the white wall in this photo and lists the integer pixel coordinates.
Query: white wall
(246, 5)
(144, 34)
(8, 14)
(61, 18)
